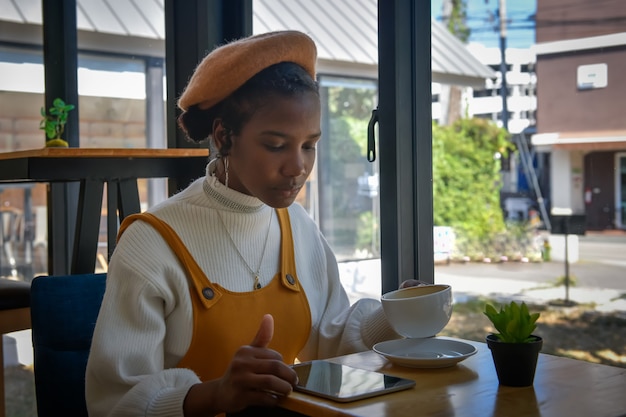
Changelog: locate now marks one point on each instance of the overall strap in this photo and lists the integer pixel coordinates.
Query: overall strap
(200, 281)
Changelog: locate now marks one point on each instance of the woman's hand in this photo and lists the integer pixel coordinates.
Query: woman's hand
(257, 376)
(413, 283)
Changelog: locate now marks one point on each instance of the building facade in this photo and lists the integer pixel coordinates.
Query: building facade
(521, 88)
(581, 101)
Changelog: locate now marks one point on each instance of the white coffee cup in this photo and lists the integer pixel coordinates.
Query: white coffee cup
(418, 312)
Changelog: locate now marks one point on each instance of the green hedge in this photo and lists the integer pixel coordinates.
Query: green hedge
(467, 183)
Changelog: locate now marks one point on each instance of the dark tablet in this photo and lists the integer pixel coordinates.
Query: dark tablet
(344, 383)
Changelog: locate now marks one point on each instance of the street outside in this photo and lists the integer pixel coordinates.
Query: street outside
(599, 276)
(586, 322)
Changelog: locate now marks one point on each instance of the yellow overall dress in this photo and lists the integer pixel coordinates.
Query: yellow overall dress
(224, 320)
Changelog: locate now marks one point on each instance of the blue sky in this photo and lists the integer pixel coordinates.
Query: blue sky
(520, 33)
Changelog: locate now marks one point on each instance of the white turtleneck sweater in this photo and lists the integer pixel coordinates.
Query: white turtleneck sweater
(145, 323)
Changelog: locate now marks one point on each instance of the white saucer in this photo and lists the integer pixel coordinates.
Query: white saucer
(432, 352)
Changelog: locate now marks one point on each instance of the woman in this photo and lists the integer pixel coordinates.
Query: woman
(213, 293)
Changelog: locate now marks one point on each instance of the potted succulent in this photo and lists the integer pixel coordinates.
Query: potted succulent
(53, 123)
(514, 348)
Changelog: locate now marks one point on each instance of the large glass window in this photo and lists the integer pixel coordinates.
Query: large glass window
(561, 191)
(112, 111)
(111, 106)
(348, 192)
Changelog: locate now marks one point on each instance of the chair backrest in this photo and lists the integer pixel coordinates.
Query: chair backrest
(41, 226)
(11, 224)
(63, 315)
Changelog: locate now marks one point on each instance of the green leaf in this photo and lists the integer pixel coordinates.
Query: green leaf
(54, 122)
(466, 179)
(490, 311)
(534, 317)
(514, 322)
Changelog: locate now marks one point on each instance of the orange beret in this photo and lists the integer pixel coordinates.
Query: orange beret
(228, 67)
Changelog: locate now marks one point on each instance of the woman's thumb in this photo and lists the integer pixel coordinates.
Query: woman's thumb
(265, 333)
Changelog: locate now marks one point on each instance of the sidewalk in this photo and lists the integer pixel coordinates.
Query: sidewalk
(362, 279)
(605, 300)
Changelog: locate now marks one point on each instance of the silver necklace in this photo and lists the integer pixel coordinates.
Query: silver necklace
(257, 274)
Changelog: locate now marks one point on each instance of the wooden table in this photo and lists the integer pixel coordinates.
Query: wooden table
(563, 387)
(92, 168)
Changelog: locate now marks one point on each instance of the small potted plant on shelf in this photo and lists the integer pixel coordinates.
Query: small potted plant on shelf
(53, 122)
(514, 348)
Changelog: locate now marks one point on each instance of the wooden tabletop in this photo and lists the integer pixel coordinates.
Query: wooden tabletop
(103, 164)
(92, 168)
(562, 387)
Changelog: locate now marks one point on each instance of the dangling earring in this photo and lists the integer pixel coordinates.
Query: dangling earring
(226, 171)
(217, 158)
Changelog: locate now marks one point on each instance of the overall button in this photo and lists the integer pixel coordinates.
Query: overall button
(291, 279)
(208, 293)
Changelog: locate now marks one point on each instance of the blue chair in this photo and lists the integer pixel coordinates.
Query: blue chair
(63, 315)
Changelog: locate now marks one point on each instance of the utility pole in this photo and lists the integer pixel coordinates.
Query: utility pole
(451, 95)
(503, 68)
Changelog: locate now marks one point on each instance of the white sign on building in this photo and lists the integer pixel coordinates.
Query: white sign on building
(592, 76)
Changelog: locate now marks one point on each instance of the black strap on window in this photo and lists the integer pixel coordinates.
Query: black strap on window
(371, 136)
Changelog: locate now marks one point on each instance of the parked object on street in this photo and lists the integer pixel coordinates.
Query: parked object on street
(518, 208)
